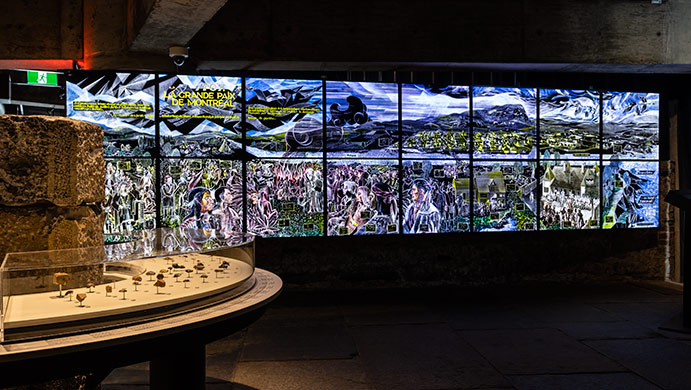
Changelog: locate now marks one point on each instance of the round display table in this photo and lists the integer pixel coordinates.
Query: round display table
(174, 343)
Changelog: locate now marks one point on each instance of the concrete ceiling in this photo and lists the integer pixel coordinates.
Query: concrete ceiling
(443, 66)
(173, 23)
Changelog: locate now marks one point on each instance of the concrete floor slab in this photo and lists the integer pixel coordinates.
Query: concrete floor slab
(299, 315)
(427, 356)
(662, 361)
(650, 314)
(605, 330)
(537, 351)
(623, 292)
(566, 312)
(298, 343)
(136, 374)
(396, 314)
(221, 367)
(489, 316)
(547, 336)
(232, 343)
(609, 381)
(301, 375)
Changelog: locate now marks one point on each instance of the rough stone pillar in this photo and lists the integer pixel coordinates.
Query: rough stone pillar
(669, 215)
(51, 183)
(52, 176)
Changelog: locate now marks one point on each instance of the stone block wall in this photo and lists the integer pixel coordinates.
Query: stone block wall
(54, 160)
(51, 185)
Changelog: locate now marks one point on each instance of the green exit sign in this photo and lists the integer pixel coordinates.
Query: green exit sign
(41, 78)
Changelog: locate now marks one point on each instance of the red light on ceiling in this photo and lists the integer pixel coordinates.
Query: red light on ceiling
(40, 64)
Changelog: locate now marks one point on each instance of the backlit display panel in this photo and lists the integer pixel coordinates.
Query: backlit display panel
(285, 198)
(436, 196)
(362, 197)
(362, 119)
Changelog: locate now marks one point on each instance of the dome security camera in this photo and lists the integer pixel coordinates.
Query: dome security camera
(178, 54)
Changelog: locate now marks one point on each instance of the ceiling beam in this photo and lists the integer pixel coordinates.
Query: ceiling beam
(173, 23)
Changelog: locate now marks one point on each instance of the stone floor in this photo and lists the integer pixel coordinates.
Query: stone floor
(538, 336)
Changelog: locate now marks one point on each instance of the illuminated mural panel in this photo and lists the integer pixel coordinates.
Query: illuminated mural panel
(285, 198)
(505, 195)
(631, 125)
(284, 118)
(569, 124)
(362, 119)
(631, 194)
(435, 121)
(200, 115)
(436, 196)
(279, 153)
(122, 103)
(504, 122)
(362, 197)
(202, 194)
(130, 195)
(570, 195)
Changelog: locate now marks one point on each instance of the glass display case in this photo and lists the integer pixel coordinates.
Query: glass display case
(134, 278)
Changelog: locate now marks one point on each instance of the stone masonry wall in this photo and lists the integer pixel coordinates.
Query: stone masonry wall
(51, 185)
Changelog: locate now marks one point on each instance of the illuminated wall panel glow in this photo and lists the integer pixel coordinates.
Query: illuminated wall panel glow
(293, 157)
